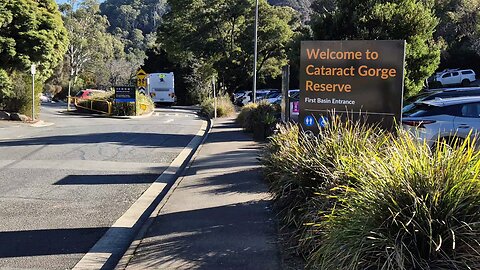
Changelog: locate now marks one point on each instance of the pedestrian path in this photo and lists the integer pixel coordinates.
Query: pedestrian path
(219, 215)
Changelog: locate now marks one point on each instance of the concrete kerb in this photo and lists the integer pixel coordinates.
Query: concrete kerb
(110, 249)
(127, 257)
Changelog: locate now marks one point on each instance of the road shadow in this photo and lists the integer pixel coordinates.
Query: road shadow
(238, 236)
(245, 157)
(242, 181)
(119, 179)
(120, 138)
(48, 242)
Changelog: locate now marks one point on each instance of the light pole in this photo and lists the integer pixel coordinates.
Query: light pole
(255, 54)
(33, 70)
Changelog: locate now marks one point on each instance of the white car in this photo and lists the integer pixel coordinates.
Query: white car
(446, 120)
(448, 77)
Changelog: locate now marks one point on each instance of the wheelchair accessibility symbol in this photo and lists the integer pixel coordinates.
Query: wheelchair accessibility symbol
(309, 121)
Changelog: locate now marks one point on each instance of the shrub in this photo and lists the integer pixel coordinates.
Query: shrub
(410, 210)
(99, 103)
(225, 107)
(260, 113)
(308, 174)
(361, 198)
(245, 117)
(17, 97)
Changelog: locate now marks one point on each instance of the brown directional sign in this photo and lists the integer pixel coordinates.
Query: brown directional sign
(359, 79)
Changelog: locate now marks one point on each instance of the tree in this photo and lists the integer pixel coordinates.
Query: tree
(134, 22)
(91, 46)
(459, 30)
(410, 20)
(217, 39)
(30, 32)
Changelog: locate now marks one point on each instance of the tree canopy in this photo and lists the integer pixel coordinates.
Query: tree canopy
(217, 37)
(31, 32)
(410, 20)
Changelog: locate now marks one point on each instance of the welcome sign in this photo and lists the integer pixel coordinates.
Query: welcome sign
(359, 79)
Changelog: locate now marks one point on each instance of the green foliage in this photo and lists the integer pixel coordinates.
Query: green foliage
(217, 37)
(412, 210)
(410, 20)
(360, 198)
(99, 103)
(134, 22)
(258, 114)
(245, 118)
(308, 174)
(31, 32)
(19, 99)
(6, 87)
(459, 30)
(225, 107)
(94, 55)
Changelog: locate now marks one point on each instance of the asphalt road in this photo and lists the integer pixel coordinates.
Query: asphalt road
(63, 186)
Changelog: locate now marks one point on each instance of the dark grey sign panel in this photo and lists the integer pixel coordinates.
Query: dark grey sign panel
(362, 80)
(125, 94)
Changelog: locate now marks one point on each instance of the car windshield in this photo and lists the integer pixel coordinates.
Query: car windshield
(295, 95)
(417, 109)
(273, 94)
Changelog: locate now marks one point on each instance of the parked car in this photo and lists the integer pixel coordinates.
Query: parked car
(45, 97)
(87, 93)
(446, 120)
(451, 77)
(440, 93)
(273, 97)
(248, 97)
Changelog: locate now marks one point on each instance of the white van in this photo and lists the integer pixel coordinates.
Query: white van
(161, 88)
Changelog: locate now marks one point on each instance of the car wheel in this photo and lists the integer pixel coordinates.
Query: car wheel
(466, 82)
(435, 84)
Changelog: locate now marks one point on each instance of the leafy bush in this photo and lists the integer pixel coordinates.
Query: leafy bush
(245, 117)
(17, 97)
(225, 107)
(260, 113)
(360, 198)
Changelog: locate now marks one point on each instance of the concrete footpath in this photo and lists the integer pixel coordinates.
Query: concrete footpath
(219, 215)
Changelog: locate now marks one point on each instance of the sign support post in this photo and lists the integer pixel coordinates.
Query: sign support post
(285, 97)
(214, 99)
(33, 70)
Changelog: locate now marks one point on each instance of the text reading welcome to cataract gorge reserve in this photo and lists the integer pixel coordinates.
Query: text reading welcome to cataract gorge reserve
(351, 71)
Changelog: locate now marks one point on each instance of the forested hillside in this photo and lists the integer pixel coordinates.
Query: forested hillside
(302, 6)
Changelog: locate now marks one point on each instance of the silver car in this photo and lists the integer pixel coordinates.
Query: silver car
(447, 120)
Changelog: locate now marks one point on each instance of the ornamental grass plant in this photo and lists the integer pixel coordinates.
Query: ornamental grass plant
(357, 197)
(308, 175)
(225, 107)
(410, 209)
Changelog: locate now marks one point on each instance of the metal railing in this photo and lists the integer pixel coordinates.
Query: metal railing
(89, 105)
